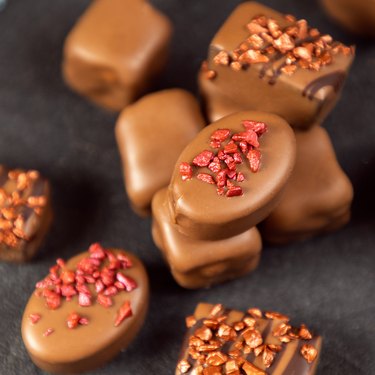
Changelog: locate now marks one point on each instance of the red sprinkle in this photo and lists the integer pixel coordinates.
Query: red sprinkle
(254, 160)
(104, 300)
(234, 191)
(72, 320)
(186, 171)
(127, 281)
(34, 318)
(124, 312)
(48, 332)
(214, 166)
(203, 159)
(205, 177)
(220, 135)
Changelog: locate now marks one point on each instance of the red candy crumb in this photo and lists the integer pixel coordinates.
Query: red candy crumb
(34, 318)
(124, 312)
(203, 159)
(205, 177)
(186, 171)
(254, 160)
(48, 332)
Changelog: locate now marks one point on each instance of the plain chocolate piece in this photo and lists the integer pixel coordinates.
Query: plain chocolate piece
(225, 341)
(318, 196)
(56, 348)
(196, 208)
(114, 50)
(25, 213)
(358, 16)
(150, 135)
(303, 92)
(196, 263)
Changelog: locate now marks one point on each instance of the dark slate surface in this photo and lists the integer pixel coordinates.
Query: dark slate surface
(327, 282)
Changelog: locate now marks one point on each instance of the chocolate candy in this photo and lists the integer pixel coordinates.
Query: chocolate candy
(263, 60)
(318, 196)
(357, 16)
(224, 341)
(114, 50)
(25, 213)
(198, 263)
(85, 311)
(150, 135)
(230, 177)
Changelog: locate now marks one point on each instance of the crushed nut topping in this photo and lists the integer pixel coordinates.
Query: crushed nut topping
(229, 151)
(13, 204)
(216, 346)
(299, 45)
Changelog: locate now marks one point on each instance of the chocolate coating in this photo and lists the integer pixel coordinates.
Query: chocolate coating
(287, 362)
(35, 223)
(197, 263)
(200, 213)
(85, 347)
(358, 16)
(114, 50)
(304, 98)
(150, 135)
(318, 196)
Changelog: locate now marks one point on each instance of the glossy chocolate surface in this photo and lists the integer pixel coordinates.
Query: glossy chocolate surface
(288, 361)
(114, 50)
(198, 263)
(318, 196)
(86, 347)
(304, 98)
(358, 16)
(25, 213)
(150, 135)
(196, 208)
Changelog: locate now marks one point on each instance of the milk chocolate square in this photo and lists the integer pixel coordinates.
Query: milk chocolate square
(25, 213)
(262, 60)
(150, 135)
(222, 341)
(318, 196)
(114, 50)
(198, 263)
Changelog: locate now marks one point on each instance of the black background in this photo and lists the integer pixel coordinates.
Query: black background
(327, 282)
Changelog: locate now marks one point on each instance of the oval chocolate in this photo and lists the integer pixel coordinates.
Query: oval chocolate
(85, 311)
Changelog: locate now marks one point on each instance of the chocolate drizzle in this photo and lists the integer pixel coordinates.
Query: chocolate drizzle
(334, 79)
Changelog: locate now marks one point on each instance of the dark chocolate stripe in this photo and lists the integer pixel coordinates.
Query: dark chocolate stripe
(334, 79)
(298, 365)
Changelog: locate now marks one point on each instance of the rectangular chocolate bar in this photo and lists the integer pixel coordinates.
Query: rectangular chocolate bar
(25, 213)
(224, 341)
(263, 60)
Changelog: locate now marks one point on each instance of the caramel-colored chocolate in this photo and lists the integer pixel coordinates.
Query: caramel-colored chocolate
(114, 50)
(56, 348)
(223, 341)
(302, 93)
(150, 135)
(196, 208)
(358, 16)
(318, 196)
(25, 213)
(197, 263)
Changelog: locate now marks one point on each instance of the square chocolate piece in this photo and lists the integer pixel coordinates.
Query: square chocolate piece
(25, 213)
(224, 341)
(199, 263)
(317, 197)
(150, 135)
(114, 50)
(263, 60)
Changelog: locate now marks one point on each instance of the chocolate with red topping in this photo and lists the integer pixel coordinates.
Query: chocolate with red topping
(224, 341)
(235, 155)
(85, 310)
(198, 263)
(264, 60)
(25, 213)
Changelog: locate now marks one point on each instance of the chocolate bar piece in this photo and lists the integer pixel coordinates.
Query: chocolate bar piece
(318, 196)
(197, 263)
(150, 135)
(25, 213)
(230, 177)
(85, 311)
(263, 60)
(114, 51)
(223, 341)
(357, 16)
